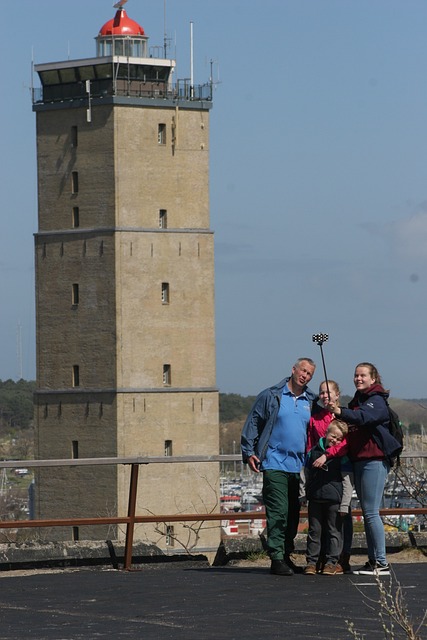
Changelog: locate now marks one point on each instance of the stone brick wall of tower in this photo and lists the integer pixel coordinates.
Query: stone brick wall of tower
(172, 176)
(189, 423)
(188, 419)
(179, 333)
(122, 331)
(93, 160)
(124, 186)
(90, 420)
(80, 334)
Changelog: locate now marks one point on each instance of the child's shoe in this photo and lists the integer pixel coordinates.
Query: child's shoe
(332, 570)
(310, 570)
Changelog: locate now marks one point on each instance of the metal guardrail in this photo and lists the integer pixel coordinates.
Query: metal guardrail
(180, 92)
(132, 519)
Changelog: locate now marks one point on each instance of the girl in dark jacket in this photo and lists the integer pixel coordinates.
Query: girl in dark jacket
(370, 447)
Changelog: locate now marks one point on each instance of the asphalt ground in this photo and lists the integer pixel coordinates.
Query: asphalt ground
(189, 601)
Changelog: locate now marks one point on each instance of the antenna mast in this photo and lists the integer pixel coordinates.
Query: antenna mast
(191, 60)
(165, 39)
(19, 350)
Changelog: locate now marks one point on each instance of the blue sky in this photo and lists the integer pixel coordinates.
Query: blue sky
(318, 176)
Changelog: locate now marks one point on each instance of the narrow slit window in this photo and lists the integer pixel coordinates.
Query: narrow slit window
(76, 217)
(163, 219)
(75, 449)
(170, 535)
(74, 137)
(165, 292)
(161, 133)
(76, 375)
(166, 374)
(75, 182)
(75, 294)
(76, 535)
(168, 448)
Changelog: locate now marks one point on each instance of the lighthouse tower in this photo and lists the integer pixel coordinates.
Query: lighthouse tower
(124, 288)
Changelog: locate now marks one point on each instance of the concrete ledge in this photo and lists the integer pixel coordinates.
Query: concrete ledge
(32, 555)
(28, 555)
(235, 547)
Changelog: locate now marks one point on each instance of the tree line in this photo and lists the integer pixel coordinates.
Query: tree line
(16, 411)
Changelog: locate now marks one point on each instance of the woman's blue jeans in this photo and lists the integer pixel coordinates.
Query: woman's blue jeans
(369, 479)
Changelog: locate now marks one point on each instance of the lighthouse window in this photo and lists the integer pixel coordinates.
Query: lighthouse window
(75, 182)
(76, 375)
(49, 77)
(76, 217)
(128, 48)
(68, 74)
(75, 449)
(106, 47)
(161, 136)
(165, 292)
(74, 139)
(103, 71)
(118, 47)
(86, 73)
(166, 374)
(169, 535)
(75, 294)
(163, 219)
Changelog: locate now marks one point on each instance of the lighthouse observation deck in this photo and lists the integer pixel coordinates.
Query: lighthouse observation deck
(114, 77)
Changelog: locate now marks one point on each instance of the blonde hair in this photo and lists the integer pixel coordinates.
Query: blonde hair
(329, 384)
(339, 425)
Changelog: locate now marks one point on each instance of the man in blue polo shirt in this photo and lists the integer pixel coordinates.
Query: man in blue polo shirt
(273, 442)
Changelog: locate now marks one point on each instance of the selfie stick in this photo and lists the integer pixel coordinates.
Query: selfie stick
(320, 338)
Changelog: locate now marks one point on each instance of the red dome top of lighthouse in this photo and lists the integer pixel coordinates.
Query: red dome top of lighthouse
(121, 25)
